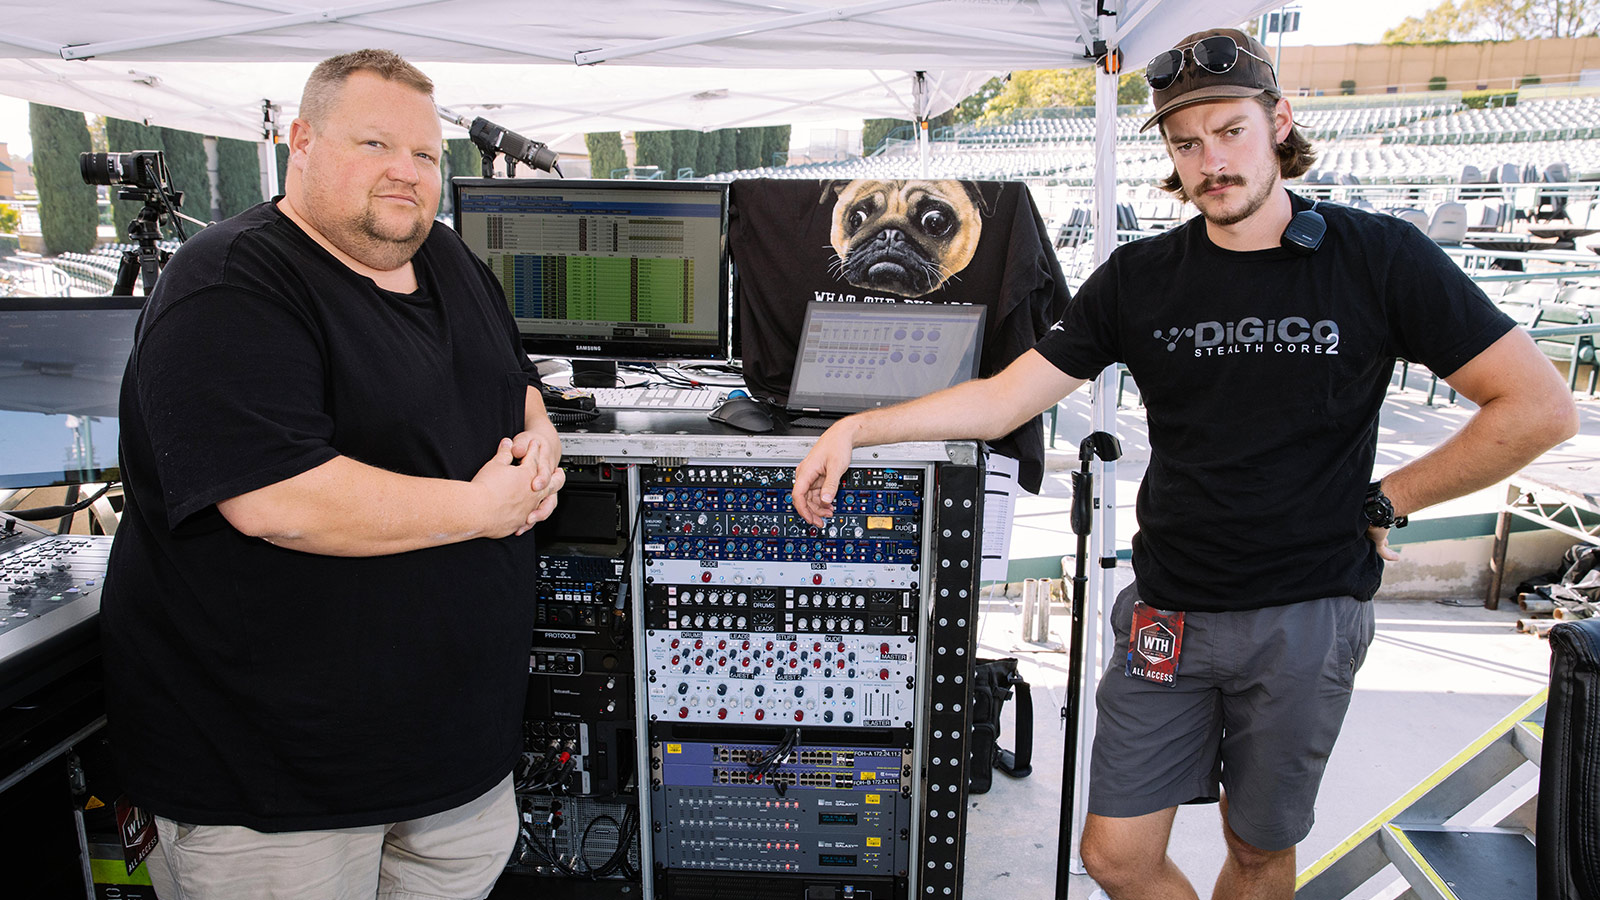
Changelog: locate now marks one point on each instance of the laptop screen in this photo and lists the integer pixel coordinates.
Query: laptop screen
(856, 356)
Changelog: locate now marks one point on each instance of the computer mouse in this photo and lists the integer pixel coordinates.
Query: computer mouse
(743, 413)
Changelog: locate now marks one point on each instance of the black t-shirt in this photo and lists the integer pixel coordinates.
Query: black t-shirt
(1262, 375)
(781, 233)
(253, 685)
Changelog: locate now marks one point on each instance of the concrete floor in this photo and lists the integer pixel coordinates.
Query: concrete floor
(1439, 674)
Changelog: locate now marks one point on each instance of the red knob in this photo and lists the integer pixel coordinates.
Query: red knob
(883, 674)
(760, 714)
(683, 712)
(799, 714)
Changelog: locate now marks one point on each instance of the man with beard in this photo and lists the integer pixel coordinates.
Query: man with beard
(1263, 335)
(315, 618)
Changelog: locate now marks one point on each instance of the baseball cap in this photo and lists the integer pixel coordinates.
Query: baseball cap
(1250, 76)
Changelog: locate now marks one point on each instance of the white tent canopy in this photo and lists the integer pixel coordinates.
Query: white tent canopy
(208, 65)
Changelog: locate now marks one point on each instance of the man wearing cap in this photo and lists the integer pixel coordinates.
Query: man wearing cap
(1263, 335)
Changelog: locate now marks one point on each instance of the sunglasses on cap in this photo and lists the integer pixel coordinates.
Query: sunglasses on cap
(1217, 54)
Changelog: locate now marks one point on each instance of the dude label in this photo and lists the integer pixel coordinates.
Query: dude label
(1155, 639)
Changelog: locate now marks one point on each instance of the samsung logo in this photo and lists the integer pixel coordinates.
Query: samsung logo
(593, 348)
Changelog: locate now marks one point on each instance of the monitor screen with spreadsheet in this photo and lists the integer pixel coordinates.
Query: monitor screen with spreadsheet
(61, 362)
(605, 269)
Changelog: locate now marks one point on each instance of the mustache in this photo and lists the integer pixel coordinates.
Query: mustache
(1220, 180)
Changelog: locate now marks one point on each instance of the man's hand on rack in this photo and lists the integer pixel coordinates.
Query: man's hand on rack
(816, 479)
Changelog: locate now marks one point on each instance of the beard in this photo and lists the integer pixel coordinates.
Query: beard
(383, 242)
(384, 247)
(1254, 198)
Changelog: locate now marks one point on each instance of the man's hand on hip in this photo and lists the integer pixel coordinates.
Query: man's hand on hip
(1380, 537)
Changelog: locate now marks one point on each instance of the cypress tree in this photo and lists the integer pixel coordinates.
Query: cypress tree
(238, 175)
(280, 151)
(605, 152)
(775, 149)
(653, 148)
(123, 136)
(747, 148)
(685, 150)
(186, 160)
(705, 157)
(68, 208)
(463, 159)
(726, 159)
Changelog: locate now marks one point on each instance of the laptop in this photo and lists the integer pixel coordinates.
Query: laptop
(856, 356)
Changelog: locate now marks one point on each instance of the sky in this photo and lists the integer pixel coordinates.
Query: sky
(1321, 22)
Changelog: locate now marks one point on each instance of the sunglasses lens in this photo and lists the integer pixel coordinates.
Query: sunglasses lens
(1216, 54)
(1163, 70)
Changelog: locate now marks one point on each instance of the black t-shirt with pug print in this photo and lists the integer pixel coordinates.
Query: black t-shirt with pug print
(1262, 375)
(941, 242)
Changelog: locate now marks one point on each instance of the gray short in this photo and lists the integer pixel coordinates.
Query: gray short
(1259, 700)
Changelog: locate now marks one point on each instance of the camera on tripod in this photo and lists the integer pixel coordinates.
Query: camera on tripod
(140, 169)
(139, 175)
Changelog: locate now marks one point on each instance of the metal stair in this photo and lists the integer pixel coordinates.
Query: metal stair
(1437, 857)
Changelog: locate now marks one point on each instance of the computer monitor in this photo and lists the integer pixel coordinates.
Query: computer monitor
(61, 363)
(605, 270)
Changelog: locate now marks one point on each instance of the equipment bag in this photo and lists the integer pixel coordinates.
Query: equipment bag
(1568, 849)
(993, 681)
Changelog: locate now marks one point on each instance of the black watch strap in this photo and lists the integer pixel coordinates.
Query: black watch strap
(1379, 510)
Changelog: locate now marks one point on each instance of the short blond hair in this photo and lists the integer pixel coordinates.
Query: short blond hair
(328, 78)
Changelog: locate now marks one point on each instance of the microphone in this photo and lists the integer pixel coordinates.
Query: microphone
(490, 137)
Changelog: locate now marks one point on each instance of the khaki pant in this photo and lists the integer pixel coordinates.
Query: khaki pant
(454, 854)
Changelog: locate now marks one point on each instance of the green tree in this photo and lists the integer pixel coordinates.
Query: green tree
(685, 150)
(238, 175)
(775, 150)
(653, 148)
(971, 108)
(747, 148)
(726, 145)
(1498, 20)
(280, 151)
(605, 152)
(1563, 18)
(10, 220)
(462, 159)
(875, 131)
(705, 155)
(68, 208)
(123, 136)
(1441, 23)
(1042, 88)
(186, 160)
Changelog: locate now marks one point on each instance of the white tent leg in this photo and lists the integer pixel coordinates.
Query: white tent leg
(920, 99)
(1103, 417)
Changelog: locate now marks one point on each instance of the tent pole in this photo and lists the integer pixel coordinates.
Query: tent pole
(1103, 417)
(268, 149)
(919, 97)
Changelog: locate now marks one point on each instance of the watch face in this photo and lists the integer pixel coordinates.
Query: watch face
(1380, 512)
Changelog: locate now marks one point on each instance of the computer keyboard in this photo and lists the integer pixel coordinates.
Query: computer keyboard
(657, 396)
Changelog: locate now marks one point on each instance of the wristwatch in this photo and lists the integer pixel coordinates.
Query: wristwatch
(1379, 511)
